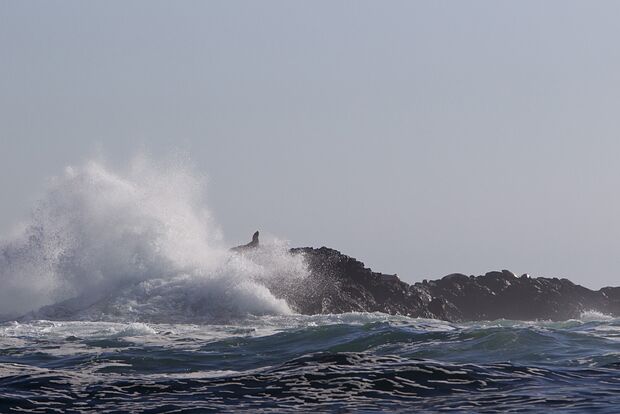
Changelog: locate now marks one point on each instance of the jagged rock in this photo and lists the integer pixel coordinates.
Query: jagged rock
(251, 245)
(339, 283)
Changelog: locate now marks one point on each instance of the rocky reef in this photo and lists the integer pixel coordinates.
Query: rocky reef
(339, 283)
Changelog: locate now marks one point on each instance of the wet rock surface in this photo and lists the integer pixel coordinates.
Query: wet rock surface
(339, 283)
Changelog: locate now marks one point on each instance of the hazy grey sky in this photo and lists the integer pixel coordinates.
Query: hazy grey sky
(422, 137)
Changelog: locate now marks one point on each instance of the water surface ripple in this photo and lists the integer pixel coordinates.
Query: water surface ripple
(343, 363)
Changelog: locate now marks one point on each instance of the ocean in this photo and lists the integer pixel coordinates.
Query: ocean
(357, 362)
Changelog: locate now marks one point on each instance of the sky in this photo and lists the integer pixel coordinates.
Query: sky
(421, 137)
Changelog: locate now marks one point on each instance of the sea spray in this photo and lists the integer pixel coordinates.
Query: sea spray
(134, 245)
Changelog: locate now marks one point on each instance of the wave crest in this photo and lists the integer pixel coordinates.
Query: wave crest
(137, 245)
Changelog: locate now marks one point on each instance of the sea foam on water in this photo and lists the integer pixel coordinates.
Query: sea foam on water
(131, 244)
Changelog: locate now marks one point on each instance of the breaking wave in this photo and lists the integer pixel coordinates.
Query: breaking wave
(594, 316)
(134, 245)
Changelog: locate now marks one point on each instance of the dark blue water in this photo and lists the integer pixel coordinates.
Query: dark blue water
(345, 363)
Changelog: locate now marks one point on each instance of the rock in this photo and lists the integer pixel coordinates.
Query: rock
(251, 245)
(390, 278)
(508, 273)
(339, 283)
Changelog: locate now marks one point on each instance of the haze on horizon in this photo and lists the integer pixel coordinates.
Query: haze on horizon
(422, 138)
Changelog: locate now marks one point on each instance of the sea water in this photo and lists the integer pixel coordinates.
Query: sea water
(344, 363)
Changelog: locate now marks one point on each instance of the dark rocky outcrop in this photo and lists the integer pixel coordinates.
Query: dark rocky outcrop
(251, 245)
(339, 283)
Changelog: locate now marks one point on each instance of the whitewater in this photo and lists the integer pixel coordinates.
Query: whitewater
(138, 245)
(120, 294)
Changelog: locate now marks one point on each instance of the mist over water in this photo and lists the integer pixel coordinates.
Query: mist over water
(134, 244)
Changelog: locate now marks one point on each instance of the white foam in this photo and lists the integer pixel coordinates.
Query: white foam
(133, 244)
(594, 316)
(136, 329)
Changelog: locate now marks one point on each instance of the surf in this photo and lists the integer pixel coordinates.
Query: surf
(135, 244)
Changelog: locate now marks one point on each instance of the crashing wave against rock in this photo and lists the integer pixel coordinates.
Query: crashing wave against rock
(140, 245)
(335, 283)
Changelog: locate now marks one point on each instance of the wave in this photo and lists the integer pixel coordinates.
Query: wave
(134, 245)
(362, 361)
(595, 316)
